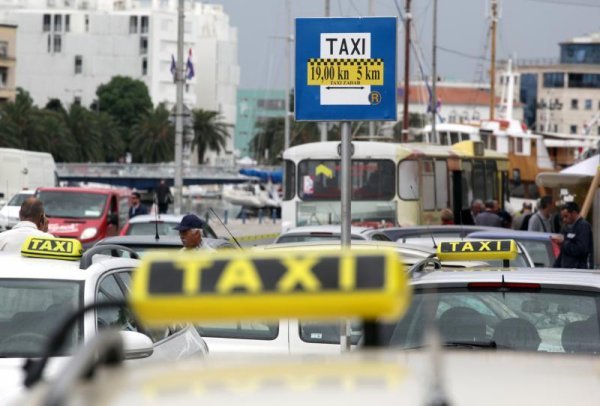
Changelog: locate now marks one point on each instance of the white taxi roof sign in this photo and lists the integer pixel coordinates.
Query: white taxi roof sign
(53, 248)
(235, 285)
(477, 250)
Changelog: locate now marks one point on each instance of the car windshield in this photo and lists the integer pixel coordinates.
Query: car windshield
(18, 199)
(312, 237)
(73, 204)
(540, 252)
(526, 320)
(31, 310)
(151, 228)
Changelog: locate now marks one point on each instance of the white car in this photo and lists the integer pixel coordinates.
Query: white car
(37, 294)
(328, 232)
(9, 214)
(150, 224)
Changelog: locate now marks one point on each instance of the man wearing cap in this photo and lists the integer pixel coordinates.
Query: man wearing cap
(33, 221)
(190, 232)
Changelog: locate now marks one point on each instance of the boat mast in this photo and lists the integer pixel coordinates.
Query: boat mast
(494, 17)
(434, 75)
(407, 23)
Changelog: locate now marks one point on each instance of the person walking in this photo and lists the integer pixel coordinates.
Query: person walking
(577, 249)
(519, 219)
(489, 217)
(32, 221)
(136, 208)
(190, 233)
(163, 196)
(540, 220)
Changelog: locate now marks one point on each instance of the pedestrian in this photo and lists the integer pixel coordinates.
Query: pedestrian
(520, 217)
(577, 249)
(190, 232)
(136, 208)
(447, 216)
(504, 215)
(163, 196)
(489, 216)
(540, 221)
(32, 221)
(468, 215)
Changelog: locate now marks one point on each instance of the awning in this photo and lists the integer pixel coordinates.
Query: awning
(579, 173)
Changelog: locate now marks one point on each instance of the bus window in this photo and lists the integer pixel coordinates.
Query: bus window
(408, 180)
(491, 180)
(441, 184)
(428, 185)
(443, 138)
(466, 184)
(478, 180)
(454, 138)
(290, 180)
(371, 180)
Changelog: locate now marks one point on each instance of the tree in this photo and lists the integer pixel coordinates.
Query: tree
(210, 133)
(60, 142)
(19, 124)
(110, 136)
(153, 137)
(84, 134)
(125, 99)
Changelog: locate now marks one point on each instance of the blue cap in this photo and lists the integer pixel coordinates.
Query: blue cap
(188, 222)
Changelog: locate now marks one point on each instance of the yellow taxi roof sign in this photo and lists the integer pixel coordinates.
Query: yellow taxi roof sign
(477, 250)
(53, 248)
(235, 285)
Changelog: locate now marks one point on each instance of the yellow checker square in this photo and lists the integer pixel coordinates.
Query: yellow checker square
(236, 285)
(53, 248)
(477, 250)
(344, 72)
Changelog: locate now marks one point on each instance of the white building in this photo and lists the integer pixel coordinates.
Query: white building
(67, 48)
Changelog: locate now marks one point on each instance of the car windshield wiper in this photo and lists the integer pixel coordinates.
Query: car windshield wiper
(460, 344)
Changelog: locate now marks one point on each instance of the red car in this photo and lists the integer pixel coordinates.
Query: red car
(88, 214)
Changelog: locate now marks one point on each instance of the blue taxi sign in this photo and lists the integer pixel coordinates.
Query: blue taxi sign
(239, 285)
(477, 250)
(53, 248)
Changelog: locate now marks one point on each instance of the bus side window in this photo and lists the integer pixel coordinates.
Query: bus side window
(289, 174)
(478, 180)
(491, 180)
(441, 184)
(408, 178)
(467, 184)
(428, 180)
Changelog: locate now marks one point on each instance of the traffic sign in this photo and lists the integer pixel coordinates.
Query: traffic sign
(345, 69)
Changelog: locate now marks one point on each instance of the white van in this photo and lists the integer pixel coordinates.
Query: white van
(20, 169)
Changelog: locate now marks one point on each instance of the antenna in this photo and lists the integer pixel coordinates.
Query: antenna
(224, 226)
(426, 225)
(156, 236)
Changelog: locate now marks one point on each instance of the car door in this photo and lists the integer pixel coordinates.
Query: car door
(170, 342)
(319, 337)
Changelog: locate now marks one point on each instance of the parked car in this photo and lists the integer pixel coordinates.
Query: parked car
(143, 243)
(402, 234)
(150, 224)
(9, 214)
(542, 247)
(328, 232)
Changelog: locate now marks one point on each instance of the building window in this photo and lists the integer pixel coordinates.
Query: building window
(587, 104)
(133, 24)
(77, 100)
(584, 80)
(47, 22)
(574, 104)
(3, 49)
(519, 145)
(67, 23)
(78, 64)
(57, 23)
(49, 43)
(573, 129)
(554, 79)
(555, 128)
(3, 77)
(87, 23)
(144, 66)
(143, 45)
(57, 43)
(145, 24)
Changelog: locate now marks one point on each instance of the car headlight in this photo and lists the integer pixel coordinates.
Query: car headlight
(88, 233)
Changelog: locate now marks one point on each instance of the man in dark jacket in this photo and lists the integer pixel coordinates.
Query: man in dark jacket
(577, 249)
(489, 217)
(163, 196)
(136, 208)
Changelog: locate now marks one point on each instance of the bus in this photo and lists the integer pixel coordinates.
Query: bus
(392, 184)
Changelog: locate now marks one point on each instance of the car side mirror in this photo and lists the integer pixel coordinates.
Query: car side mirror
(136, 345)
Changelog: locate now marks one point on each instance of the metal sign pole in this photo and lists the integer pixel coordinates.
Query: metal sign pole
(346, 211)
(178, 181)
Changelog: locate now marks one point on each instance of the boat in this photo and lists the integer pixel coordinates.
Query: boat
(253, 195)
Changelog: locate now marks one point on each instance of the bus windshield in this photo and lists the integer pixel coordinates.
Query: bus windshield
(73, 204)
(371, 180)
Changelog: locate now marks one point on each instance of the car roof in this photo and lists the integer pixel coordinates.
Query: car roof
(164, 240)
(75, 189)
(514, 234)
(325, 228)
(149, 218)
(17, 266)
(551, 276)
(399, 232)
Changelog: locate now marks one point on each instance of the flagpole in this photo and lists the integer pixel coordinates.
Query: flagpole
(179, 79)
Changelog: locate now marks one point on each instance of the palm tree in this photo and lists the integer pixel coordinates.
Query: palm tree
(110, 135)
(84, 134)
(153, 137)
(210, 133)
(59, 139)
(19, 124)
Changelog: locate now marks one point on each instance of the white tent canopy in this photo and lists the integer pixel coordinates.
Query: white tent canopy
(581, 172)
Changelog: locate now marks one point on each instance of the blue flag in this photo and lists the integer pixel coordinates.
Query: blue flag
(173, 68)
(189, 70)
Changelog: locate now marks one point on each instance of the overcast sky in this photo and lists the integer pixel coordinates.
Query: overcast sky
(527, 29)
